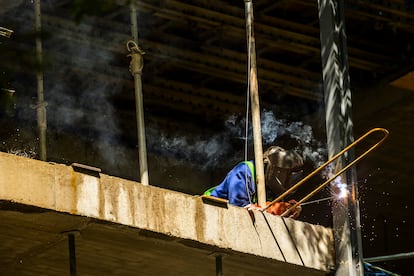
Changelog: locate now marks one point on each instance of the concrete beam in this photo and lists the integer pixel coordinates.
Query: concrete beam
(106, 209)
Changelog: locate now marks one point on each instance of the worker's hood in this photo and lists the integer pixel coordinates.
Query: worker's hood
(283, 168)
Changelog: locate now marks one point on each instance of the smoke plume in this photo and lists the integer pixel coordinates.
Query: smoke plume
(213, 151)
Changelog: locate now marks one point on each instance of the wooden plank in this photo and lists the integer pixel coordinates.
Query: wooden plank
(216, 201)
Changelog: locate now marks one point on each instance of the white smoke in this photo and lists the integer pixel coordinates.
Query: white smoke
(273, 129)
(205, 152)
(77, 99)
(212, 151)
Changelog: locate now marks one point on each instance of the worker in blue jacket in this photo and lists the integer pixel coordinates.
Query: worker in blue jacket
(282, 170)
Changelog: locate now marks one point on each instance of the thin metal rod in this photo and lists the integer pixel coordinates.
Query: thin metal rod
(255, 106)
(339, 154)
(317, 200)
(41, 105)
(136, 70)
(392, 257)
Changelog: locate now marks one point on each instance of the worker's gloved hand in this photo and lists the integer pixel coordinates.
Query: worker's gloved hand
(279, 208)
(296, 211)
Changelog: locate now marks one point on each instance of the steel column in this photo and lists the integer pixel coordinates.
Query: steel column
(72, 254)
(41, 104)
(339, 128)
(219, 265)
(137, 64)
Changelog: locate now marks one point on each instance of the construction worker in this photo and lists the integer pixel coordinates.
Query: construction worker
(282, 170)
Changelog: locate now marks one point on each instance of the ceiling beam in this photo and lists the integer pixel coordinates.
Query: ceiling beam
(272, 34)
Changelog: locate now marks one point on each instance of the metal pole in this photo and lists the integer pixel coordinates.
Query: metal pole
(255, 106)
(41, 104)
(219, 265)
(137, 63)
(72, 254)
(339, 128)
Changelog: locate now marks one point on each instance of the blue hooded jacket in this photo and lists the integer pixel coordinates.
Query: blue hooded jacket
(234, 185)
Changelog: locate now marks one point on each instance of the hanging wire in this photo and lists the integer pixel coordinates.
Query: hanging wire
(246, 142)
(247, 98)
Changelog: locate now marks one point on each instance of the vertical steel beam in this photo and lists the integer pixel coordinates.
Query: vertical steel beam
(219, 265)
(339, 127)
(72, 254)
(255, 106)
(41, 104)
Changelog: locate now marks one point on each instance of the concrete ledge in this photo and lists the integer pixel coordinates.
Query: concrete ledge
(62, 189)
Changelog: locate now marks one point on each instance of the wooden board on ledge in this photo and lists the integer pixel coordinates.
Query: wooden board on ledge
(216, 201)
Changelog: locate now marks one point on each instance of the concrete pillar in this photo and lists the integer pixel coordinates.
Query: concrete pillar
(339, 127)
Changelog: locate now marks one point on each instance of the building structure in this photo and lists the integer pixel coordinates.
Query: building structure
(194, 72)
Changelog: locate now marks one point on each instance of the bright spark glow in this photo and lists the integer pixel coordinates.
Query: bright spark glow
(341, 190)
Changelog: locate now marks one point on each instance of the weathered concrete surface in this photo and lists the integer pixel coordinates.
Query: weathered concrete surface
(125, 228)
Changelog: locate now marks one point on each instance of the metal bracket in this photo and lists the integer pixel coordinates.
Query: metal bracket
(137, 61)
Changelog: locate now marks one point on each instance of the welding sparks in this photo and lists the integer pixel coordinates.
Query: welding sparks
(341, 190)
(338, 192)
